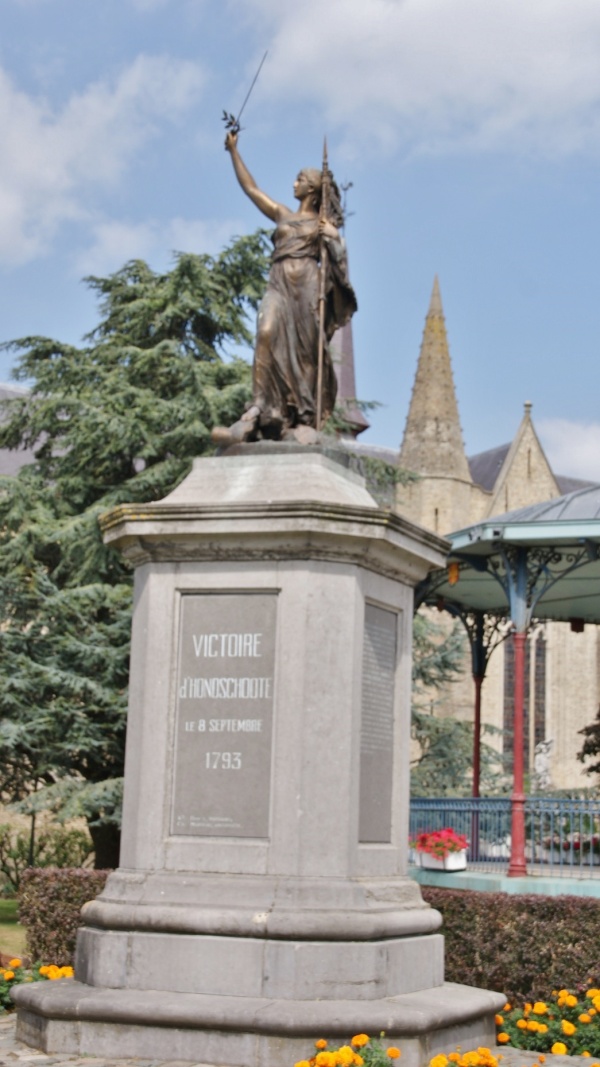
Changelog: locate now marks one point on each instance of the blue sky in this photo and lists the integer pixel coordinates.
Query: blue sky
(470, 130)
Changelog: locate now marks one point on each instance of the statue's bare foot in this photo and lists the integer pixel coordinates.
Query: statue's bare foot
(245, 429)
(251, 414)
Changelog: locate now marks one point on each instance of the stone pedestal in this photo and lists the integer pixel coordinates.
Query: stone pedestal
(262, 899)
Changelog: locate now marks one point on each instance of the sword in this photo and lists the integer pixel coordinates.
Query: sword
(231, 123)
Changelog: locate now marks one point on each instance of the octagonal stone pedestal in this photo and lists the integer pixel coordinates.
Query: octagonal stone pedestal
(262, 898)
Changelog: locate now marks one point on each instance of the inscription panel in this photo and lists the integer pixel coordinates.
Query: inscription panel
(377, 726)
(224, 715)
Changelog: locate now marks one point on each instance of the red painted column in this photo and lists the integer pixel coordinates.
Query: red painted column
(478, 680)
(517, 866)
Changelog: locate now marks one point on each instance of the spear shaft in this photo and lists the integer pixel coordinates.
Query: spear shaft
(231, 122)
(322, 286)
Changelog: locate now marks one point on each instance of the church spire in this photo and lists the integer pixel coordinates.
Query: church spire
(432, 442)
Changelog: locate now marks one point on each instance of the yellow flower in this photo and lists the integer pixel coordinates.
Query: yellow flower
(345, 1056)
(14, 963)
(453, 1057)
(533, 1026)
(586, 1053)
(302, 1063)
(503, 1038)
(522, 1024)
(321, 1043)
(360, 1039)
(44, 970)
(539, 1008)
(498, 1020)
(571, 1001)
(563, 993)
(591, 993)
(358, 1060)
(438, 1061)
(325, 1059)
(584, 1018)
(393, 1052)
(9, 975)
(542, 1029)
(559, 1049)
(592, 1011)
(568, 1028)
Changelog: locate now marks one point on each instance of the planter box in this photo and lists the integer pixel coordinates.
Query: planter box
(454, 861)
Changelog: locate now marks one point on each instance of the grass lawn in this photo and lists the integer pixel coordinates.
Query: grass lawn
(12, 934)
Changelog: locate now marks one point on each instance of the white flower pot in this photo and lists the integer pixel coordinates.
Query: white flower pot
(454, 861)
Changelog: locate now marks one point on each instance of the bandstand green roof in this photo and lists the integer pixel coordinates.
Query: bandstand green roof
(543, 559)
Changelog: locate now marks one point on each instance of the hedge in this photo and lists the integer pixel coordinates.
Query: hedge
(522, 946)
(50, 900)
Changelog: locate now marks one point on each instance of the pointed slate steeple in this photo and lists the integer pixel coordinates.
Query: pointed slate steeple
(432, 442)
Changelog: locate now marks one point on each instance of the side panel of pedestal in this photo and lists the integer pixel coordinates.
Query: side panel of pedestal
(315, 755)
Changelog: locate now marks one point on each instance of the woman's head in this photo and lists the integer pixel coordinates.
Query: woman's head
(310, 183)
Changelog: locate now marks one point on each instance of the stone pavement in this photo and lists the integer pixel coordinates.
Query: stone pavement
(14, 1053)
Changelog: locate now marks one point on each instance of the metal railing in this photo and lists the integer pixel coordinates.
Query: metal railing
(562, 834)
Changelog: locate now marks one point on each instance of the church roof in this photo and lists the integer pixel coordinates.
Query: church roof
(486, 466)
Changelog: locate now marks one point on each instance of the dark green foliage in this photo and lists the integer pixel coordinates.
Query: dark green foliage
(55, 846)
(50, 902)
(118, 420)
(522, 946)
(443, 764)
(591, 746)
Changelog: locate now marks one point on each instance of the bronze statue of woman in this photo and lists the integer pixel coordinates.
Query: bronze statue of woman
(284, 378)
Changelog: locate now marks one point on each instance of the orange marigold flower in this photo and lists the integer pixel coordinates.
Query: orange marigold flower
(9, 975)
(14, 963)
(438, 1061)
(591, 993)
(522, 1024)
(453, 1057)
(360, 1039)
(542, 1029)
(541, 1056)
(533, 1026)
(503, 1038)
(498, 1020)
(325, 1059)
(559, 1049)
(321, 1043)
(592, 1011)
(393, 1052)
(539, 1008)
(302, 1063)
(563, 993)
(358, 1060)
(345, 1056)
(584, 1017)
(586, 1053)
(507, 1007)
(568, 1028)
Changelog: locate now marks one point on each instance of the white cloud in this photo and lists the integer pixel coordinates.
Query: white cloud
(572, 448)
(51, 157)
(116, 242)
(438, 75)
